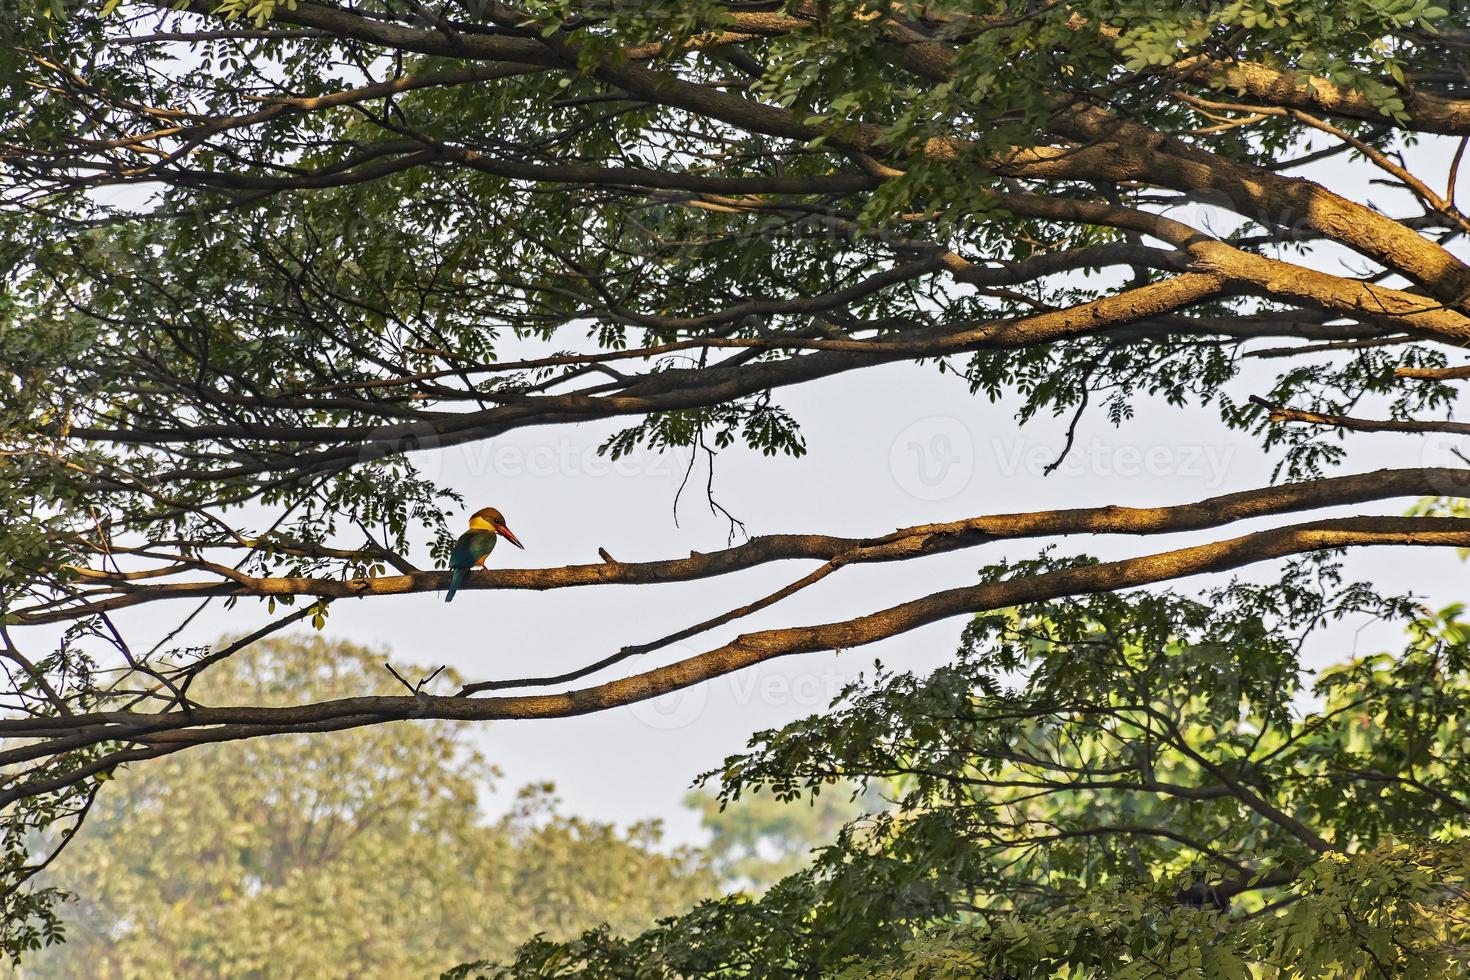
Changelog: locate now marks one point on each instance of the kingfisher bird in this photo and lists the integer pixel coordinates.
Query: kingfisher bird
(475, 545)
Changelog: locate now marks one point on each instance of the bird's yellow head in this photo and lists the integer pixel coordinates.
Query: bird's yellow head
(490, 519)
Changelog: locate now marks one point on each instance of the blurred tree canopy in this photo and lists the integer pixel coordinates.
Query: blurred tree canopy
(361, 853)
(761, 839)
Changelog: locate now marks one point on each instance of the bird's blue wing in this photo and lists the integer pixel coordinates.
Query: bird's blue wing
(471, 547)
(468, 549)
(461, 556)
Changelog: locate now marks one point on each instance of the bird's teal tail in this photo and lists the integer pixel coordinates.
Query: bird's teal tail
(455, 580)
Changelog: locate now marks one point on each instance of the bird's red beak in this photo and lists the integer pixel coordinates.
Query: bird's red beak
(504, 532)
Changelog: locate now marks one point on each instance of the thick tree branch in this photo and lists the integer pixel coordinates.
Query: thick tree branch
(900, 545)
(1280, 413)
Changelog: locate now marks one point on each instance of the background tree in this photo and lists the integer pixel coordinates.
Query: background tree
(1145, 803)
(255, 252)
(762, 839)
(362, 853)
